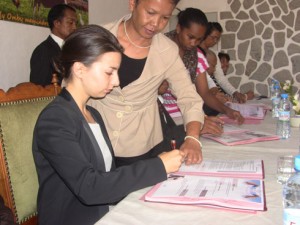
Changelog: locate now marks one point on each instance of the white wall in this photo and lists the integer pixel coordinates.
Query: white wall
(205, 5)
(105, 11)
(17, 41)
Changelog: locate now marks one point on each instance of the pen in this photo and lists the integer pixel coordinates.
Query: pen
(173, 144)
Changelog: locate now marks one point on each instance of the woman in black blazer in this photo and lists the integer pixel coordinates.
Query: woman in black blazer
(72, 152)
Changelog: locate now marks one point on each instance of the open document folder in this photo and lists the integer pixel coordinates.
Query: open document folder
(235, 136)
(252, 113)
(221, 186)
(249, 111)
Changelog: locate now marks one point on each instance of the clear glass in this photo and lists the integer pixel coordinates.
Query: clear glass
(285, 168)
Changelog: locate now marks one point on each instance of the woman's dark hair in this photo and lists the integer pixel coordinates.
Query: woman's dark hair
(191, 15)
(85, 45)
(57, 12)
(212, 26)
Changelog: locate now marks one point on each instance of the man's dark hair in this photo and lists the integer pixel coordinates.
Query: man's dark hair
(57, 12)
(175, 2)
(222, 55)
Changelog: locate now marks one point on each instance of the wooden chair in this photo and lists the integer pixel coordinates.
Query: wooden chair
(19, 109)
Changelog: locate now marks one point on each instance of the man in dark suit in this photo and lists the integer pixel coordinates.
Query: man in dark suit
(62, 21)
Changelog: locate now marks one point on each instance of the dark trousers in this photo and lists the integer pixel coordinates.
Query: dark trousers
(6, 215)
(209, 111)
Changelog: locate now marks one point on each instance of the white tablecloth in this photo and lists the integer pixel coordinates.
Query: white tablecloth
(133, 211)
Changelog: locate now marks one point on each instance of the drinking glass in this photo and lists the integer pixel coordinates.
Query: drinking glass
(285, 168)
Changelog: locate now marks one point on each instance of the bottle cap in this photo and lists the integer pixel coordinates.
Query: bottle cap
(297, 163)
(284, 95)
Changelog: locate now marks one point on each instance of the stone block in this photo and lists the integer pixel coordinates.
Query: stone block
(280, 59)
(250, 67)
(263, 8)
(249, 86)
(232, 25)
(276, 11)
(246, 31)
(226, 15)
(259, 28)
(297, 22)
(262, 73)
(253, 15)
(268, 51)
(239, 69)
(235, 6)
(278, 25)
(295, 63)
(294, 4)
(256, 49)
(293, 49)
(235, 81)
(283, 75)
(228, 41)
(262, 89)
(283, 5)
(289, 19)
(248, 4)
(266, 18)
(242, 16)
(267, 33)
(279, 39)
(243, 50)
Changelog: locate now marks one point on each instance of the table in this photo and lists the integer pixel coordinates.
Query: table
(133, 211)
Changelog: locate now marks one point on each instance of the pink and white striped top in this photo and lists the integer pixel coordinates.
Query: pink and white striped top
(202, 62)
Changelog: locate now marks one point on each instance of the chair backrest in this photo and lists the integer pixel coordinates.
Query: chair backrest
(19, 109)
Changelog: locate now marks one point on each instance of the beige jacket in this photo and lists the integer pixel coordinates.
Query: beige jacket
(131, 114)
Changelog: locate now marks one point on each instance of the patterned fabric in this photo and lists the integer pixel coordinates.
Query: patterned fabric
(217, 84)
(189, 58)
(170, 104)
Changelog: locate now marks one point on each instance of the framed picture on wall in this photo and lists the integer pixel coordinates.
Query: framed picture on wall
(35, 12)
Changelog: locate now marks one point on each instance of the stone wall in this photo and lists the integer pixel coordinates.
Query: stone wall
(262, 38)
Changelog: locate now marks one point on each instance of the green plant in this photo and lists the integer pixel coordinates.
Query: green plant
(296, 104)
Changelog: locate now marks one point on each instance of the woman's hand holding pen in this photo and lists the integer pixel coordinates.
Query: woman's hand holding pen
(172, 160)
(212, 125)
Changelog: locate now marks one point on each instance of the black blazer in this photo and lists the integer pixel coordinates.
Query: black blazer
(74, 187)
(41, 62)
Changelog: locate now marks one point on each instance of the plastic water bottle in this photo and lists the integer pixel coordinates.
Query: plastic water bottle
(283, 122)
(275, 101)
(291, 197)
(271, 87)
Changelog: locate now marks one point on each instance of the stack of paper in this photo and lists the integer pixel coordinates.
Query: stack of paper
(234, 185)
